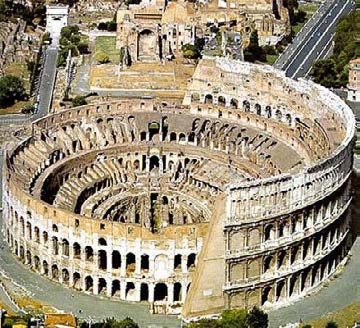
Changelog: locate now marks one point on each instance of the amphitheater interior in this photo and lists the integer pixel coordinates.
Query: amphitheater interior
(236, 196)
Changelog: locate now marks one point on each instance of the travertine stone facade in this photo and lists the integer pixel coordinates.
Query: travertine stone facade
(238, 196)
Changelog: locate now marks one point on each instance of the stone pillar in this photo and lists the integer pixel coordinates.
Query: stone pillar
(137, 263)
(108, 287)
(184, 263)
(138, 291)
(109, 261)
(170, 288)
(151, 292)
(123, 265)
(123, 290)
(96, 286)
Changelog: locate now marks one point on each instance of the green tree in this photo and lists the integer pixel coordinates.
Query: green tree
(190, 51)
(11, 90)
(102, 58)
(256, 318)
(254, 52)
(307, 326)
(233, 318)
(204, 323)
(331, 324)
(79, 101)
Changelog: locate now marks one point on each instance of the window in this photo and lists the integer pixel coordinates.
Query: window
(102, 226)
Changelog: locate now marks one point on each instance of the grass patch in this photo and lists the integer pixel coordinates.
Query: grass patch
(106, 45)
(14, 109)
(345, 317)
(310, 10)
(270, 59)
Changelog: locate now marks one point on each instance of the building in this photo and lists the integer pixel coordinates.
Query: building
(354, 80)
(239, 196)
(56, 19)
(155, 30)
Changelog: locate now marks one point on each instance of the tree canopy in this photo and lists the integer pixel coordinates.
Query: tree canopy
(11, 90)
(333, 72)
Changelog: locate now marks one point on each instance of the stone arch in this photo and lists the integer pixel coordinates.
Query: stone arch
(288, 119)
(89, 254)
(65, 247)
(154, 162)
(177, 292)
(102, 259)
(116, 260)
(65, 276)
(144, 262)
(89, 284)
(102, 286)
(130, 262)
(234, 103)
(160, 292)
(102, 242)
(130, 292)
(191, 261)
(147, 44)
(221, 100)
(208, 99)
(246, 106)
(77, 250)
(115, 288)
(144, 292)
(37, 263)
(268, 112)
(177, 262)
(258, 109)
(45, 268)
(76, 280)
(278, 115)
(54, 272)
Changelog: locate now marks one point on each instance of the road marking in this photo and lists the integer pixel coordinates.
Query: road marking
(321, 37)
(321, 20)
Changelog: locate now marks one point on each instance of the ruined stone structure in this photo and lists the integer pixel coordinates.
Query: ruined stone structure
(154, 30)
(239, 196)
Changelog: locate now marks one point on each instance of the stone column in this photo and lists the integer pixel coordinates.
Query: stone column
(151, 292)
(170, 288)
(123, 290)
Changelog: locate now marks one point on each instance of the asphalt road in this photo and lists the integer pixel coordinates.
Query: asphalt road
(318, 41)
(47, 82)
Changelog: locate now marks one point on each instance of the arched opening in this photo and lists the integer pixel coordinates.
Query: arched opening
(45, 268)
(154, 129)
(76, 280)
(102, 242)
(130, 263)
(258, 109)
(267, 263)
(77, 251)
(182, 137)
(269, 232)
(115, 288)
(65, 276)
(177, 262)
(55, 246)
(55, 272)
(37, 234)
(246, 106)
(116, 260)
(172, 136)
(37, 263)
(265, 295)
(144, 292)
(160, 292)
(102, 260)
(278, 115)
(147, 45)
(234, 103)
(28, 257)
(268, 111)
(288, 119)
(89, 254)
(191, 261)
(65, 247)
(208, 99)
(89, 284)
(45, 238)
(221, 101)
(145, 263)
(154, 162)
(102, 286)
(130, 291)
(177, 292)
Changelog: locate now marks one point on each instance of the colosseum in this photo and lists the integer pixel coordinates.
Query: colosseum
(236, 195)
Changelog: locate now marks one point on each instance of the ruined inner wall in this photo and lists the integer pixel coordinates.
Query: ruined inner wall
(242, 191)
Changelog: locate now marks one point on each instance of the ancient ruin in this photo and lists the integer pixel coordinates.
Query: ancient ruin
(238, 196)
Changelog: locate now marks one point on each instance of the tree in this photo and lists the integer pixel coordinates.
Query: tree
(256, 318)
(254, 52)
(331, 324)
(102, 58)
(79, 101)
(11, 90)
(204, 323)
(190, 51)
(233, 318)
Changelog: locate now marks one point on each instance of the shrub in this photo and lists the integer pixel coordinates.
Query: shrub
(102, 58)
